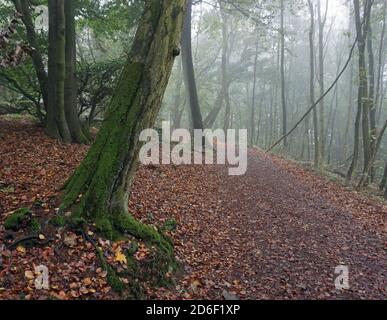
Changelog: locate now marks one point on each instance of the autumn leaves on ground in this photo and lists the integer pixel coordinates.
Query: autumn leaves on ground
(277, 232)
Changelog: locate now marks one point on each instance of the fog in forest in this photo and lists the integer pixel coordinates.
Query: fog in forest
(294, 207)
(238, 57)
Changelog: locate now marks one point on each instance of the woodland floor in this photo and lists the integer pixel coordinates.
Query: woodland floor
(276, 233)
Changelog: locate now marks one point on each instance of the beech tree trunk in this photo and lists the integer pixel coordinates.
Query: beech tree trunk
(283, 87)
(321, 114)
(363, 103)
(56, 124)
(311, 85)
(349, 117)
(252, 120)
(363, 76)
(70, 87)
(177, 111)
(213, 114)
(225, 63)
(380, 69)
(188, 69)
(99, 189)
(62, 120)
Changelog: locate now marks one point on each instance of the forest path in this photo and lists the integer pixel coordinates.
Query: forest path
(277, 232)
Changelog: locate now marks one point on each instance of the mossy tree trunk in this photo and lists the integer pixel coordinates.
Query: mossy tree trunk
(99, 189)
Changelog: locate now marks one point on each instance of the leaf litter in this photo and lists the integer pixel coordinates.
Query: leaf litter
(276, 233)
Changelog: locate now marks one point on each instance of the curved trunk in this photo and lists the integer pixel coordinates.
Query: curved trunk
(99, 189)
(36, 55)
(213, 115)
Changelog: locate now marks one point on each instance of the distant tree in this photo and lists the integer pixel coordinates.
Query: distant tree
(362, 28)
(189, 72)
(282, 71)
(311, 85)
(322, 18)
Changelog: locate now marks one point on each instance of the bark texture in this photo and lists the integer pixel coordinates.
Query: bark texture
(99, 189)
(56, 124)
(70, 87)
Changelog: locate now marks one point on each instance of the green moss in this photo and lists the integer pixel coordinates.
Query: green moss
(133, 248)
(93, 179)
(105, 227)
(58, 221)
(133, 274)
(76, 222)
(112, 277)
(169, 225)
(153, 270)
(35, 225)
(127, 223)
(16, 220)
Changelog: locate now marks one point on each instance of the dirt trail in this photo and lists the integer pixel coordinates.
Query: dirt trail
(271, 234)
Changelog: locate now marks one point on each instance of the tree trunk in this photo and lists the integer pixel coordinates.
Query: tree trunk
(225, 63)
(311, 85)
(381, 62)
(213, 115)
(56, 125)
(189, 72)
(283, 88)
(252, 120)
(371, 99)
(99, 189)
(23, 6)
(176, 110)
(383, 183)
(70, 86)
(363, 103)
(363, 78)
(349, 118)
(321, 115)
(365, 177)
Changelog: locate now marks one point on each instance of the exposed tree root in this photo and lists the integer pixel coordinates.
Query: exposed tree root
(34, 239)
